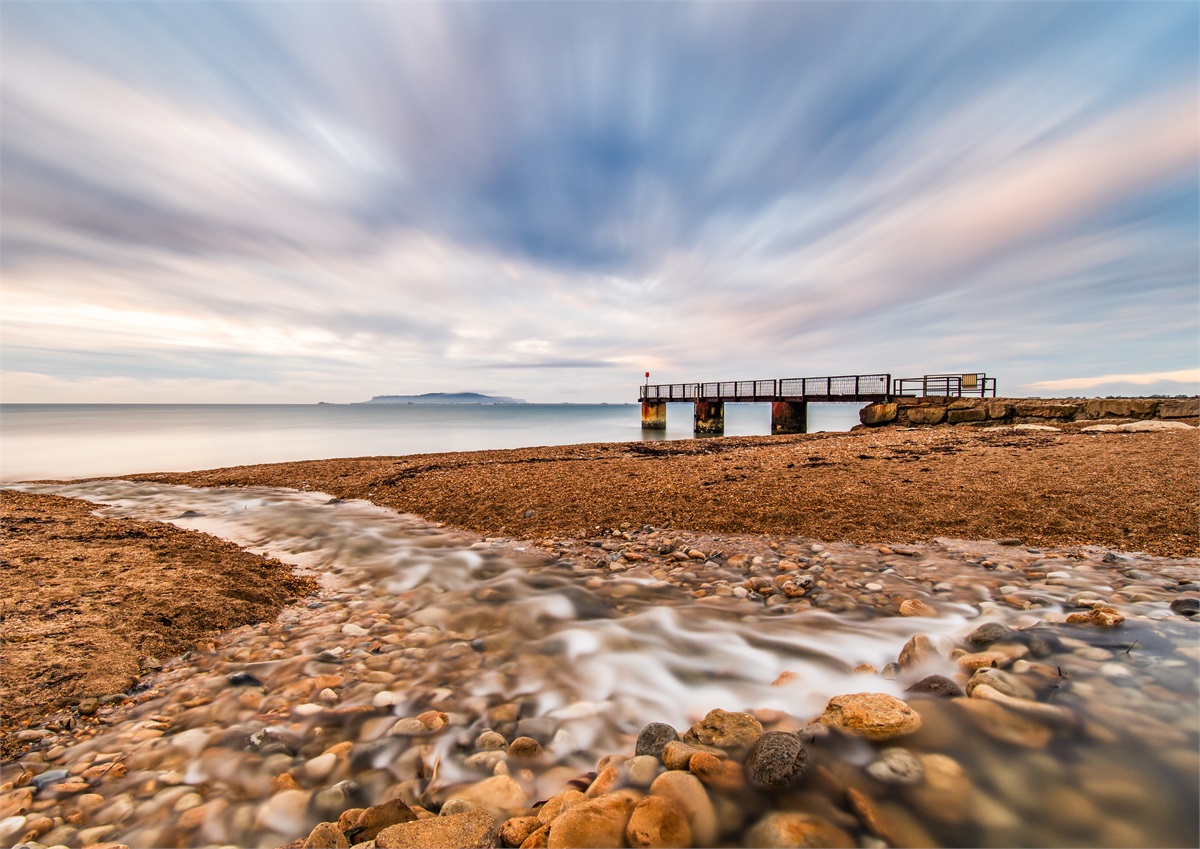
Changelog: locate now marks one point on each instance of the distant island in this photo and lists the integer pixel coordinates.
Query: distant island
(443, 398)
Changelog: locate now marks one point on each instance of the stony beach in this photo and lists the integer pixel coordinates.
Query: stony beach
(885, 638)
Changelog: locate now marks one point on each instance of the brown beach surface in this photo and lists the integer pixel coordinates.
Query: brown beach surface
(1128, 491)
(89, 602)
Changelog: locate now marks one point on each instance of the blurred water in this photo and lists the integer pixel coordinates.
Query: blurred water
(40, 441)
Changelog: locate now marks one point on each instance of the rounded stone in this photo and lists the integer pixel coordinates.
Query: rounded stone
(1186, 606)
(733, 731)
(657, 822)
(686, 791)
(498, 793)
(916, 607)
(875, 716)
(525, 748)
(794, 829)
(991, 632)
(917, 651)
(598, 823)
(469, 830)
(895, 765)
(776, 760)
(653, 737)
(935, 685)
(1006, 682)
(490, 741)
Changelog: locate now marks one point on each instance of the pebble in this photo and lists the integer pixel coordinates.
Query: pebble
(472, 829)
(916, 607)
(595, 823)
(935, 685)
(776, 760)
(653, 737)
(686, 791)
(875, 716)
(733, 731)
(792, 829)
(656, 822)
(895, 765)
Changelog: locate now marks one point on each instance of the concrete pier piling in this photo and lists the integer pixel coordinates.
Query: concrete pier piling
(654, 415)
(709, 417)
(789, 417)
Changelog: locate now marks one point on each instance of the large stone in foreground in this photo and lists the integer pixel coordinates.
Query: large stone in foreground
(875, 716)
(473, 829)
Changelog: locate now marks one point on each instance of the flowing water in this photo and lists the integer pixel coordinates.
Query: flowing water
(413, 618)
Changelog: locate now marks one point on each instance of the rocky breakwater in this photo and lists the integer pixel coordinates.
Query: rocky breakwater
(645, 687)
(1076, 413)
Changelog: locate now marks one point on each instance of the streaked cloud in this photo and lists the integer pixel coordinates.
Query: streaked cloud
(546, 200)
(1184, 376)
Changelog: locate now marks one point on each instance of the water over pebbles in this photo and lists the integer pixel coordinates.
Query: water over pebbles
(433, 666)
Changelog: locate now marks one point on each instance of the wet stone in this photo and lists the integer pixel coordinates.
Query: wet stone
(776, 760)
(935, 685)
(896, 765)
(991, 632)
(653, 737)
(732, 731)
(875, 716)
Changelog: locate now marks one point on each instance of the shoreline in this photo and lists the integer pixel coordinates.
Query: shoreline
(272, 674)
(1126, 491)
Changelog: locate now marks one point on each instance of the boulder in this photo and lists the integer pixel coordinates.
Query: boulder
(972, 414)
(1179, 408)
(926, 415)
(999, 410)
(878, 414)
(1039, 409)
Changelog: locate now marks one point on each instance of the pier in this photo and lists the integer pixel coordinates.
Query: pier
(789, 397)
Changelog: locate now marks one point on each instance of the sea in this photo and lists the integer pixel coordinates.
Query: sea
(67, 441)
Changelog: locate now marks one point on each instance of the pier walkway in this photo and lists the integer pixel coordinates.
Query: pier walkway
(789, 397)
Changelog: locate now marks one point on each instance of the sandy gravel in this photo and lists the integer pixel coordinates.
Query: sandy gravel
(90, 604)
(1129, 491)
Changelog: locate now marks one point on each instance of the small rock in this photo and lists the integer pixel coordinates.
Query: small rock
(516, 831)
(48, 778)
(1103, 617)
(794, 829)
(597, 823)
(641, 770)
(876, 716)
(686, 791)
(935, 685)
(677, 754)
(352, 630)
(776, 760)
(525, 748)
(1186, 606)
(555, 805)
(917, 651)
(895, 765)
(732, 731)
(653, 737)
(722, 776)
(656, 822)
(473, 829)
(1005, 682)
(370, 821)
(243, 679)
(498, 793)
(991, 632)
(326, 836)
(283, 810)
(916, 607)
(490, 741)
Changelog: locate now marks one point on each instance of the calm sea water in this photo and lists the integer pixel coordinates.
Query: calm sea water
(57, 441)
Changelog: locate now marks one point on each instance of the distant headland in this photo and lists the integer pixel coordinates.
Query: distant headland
(443, 398)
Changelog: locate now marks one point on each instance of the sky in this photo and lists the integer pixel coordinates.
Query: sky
(300, 202)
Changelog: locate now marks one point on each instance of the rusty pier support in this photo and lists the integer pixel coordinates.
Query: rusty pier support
(709, 417)
(789, 417)
(654, 415)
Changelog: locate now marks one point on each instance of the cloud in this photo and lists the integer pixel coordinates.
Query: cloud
(560, 197)
(1186, 376)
